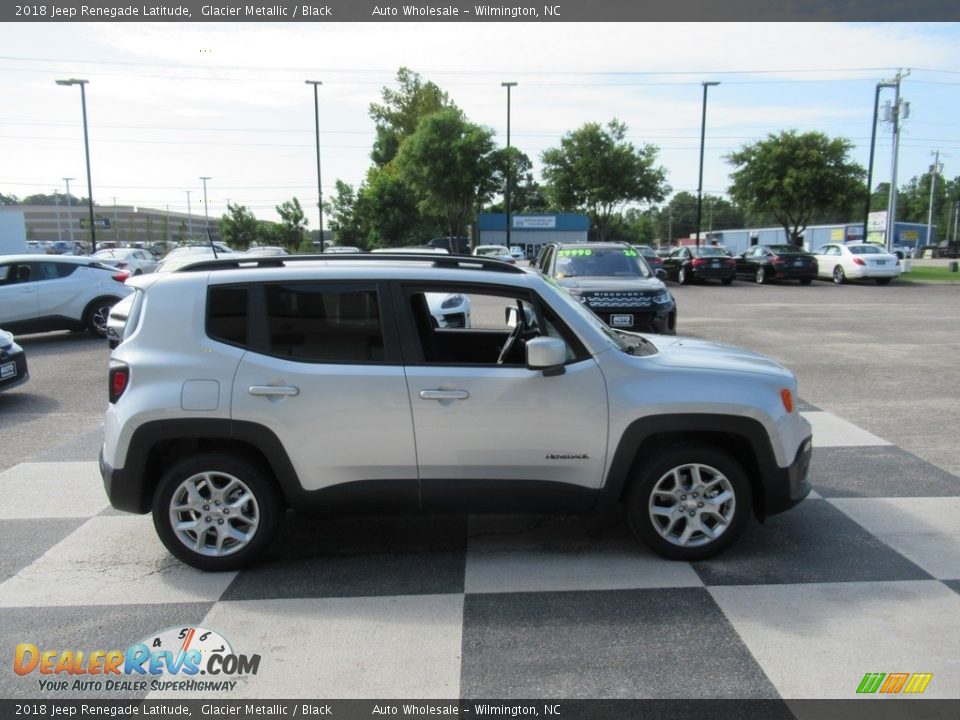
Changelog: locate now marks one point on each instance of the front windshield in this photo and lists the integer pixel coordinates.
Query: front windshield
(600, 262)
(630, 343)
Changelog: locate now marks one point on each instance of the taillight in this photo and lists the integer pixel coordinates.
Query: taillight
(118, 380)
(697, 262)
(121, 277)
(778, 261)
(858, 261)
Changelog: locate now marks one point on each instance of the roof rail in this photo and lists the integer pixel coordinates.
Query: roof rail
(466, 262)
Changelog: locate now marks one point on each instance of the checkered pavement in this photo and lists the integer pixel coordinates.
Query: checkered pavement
(864, 576)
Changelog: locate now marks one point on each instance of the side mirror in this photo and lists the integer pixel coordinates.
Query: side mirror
(547, 354)
(660, 273)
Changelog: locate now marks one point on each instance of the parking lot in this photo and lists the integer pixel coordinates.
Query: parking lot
(862, 577)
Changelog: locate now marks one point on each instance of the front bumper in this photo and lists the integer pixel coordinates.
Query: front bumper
(789, 485)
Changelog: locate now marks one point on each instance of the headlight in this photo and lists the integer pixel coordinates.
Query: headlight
(452, 301)
(663, 298)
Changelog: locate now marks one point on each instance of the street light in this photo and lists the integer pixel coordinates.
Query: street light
(316, 115)
(508, 85)
(206, 218)
(86, 146)
(703, 130)
(69, 212)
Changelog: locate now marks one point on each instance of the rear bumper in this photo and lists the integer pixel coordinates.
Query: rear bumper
(121, 492)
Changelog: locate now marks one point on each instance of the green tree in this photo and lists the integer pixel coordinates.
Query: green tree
(597, 171)
(238, 227)
(293, 225)
(448, 163)
(388, 211)
(797, 179)
(342, 211)
(398, 116)
(8, 199)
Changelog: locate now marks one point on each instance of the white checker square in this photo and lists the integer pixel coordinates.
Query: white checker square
(349, 648)
(48, 490)
(924, 530)
(817, 641)
(111, 560)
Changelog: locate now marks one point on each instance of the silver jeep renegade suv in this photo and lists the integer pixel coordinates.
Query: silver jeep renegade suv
(243, 387)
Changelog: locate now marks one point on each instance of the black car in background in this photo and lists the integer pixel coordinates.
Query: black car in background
(13, 362)
(691, 263)
(612, 280)
(777, 262)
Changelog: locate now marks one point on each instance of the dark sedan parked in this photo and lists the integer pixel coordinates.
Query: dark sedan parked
(776, 262)
(13, 362)
(689, 263)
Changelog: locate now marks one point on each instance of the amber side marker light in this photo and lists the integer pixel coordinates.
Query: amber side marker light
(787, 398)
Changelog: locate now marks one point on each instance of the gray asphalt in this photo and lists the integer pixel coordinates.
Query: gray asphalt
(884, 358)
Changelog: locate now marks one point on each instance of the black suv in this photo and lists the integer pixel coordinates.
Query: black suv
(615, 282)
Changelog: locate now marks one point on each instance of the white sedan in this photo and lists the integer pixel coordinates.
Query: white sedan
(133, 260)
(856, 261)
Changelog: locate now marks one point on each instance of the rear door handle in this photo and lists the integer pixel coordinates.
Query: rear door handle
(274, 390)
(444, 394)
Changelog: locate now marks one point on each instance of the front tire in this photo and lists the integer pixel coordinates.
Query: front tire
(690, 503)
(216, 512)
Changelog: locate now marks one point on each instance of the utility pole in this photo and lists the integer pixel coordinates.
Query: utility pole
(116, 223)
(897, 109)
(934, 169)
(189, 216)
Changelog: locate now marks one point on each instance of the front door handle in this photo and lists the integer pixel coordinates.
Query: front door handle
(274, 390)
(444, 394)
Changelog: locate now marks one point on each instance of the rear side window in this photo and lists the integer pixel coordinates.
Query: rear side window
(321, 323)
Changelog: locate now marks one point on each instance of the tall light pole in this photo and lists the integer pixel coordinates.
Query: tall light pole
(316, 116)
(86, 146)
(69, 211)
(703, 132)
(206, 217)
(508, 85)
(873, 145)
(56, 201)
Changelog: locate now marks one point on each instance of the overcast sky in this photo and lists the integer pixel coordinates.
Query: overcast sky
(168, 103)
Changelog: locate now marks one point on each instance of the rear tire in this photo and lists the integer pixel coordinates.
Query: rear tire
(690, 503)
(683, 276)
(883, 281)
(760, 276)
(727, 281)
(96, 315)
(215, 511)
(839, 276)
(806, 281)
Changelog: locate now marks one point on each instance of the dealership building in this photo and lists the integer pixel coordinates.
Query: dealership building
(531, 232)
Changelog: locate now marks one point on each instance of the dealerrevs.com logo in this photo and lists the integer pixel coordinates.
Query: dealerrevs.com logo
(180, 658)
(894, 683)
